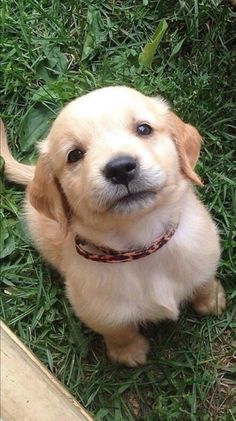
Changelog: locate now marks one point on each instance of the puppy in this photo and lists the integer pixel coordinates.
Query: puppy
(110, 205)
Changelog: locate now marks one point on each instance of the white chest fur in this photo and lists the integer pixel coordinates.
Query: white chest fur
(153, 287)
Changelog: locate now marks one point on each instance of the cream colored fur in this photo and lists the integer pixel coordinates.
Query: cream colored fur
(68, 199)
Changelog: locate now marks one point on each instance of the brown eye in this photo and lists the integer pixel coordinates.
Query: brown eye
(144, 129)
(74, 156)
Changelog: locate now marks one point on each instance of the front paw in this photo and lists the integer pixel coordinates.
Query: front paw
(131, 355)
(210, 299)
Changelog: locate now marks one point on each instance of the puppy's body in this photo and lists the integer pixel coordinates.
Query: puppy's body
(147, 289)
(114, 298)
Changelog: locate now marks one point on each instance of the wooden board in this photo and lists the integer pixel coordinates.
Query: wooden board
(29, 392)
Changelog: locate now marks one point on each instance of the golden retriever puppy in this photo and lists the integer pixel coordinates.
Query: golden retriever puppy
(110, 205)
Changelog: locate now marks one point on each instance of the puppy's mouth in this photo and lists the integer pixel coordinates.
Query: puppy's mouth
(133, 201)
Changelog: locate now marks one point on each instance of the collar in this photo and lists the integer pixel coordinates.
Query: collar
(116, 256)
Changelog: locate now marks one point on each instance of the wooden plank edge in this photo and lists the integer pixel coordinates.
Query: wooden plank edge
(17, 361)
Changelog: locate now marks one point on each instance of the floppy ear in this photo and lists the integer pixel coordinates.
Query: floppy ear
(188, 143)
(46, 195)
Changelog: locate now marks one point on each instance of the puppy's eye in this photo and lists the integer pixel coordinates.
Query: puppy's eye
(144, 129)
(74, 156)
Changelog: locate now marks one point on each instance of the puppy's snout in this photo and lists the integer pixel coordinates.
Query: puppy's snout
(121, 170)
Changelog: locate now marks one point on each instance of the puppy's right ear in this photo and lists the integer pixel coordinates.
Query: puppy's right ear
(188, 143)
(45, 193)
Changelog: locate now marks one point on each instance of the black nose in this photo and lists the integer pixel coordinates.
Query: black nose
(121, 170)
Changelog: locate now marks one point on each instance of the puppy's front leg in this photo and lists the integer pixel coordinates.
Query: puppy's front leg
(209, 298)
(126, 346)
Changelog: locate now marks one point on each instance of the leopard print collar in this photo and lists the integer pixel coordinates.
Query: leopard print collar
(115, 256)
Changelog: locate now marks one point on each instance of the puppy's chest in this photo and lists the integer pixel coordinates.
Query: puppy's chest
(138, 290)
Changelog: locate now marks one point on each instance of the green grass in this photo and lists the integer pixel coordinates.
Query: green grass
(53, 52)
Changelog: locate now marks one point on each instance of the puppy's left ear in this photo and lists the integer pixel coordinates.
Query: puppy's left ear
(45, 194)
(188, 143)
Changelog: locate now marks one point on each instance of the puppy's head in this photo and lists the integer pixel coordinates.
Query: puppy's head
(113, 152)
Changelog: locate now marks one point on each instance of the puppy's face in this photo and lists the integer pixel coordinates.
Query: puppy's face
(114, 152)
